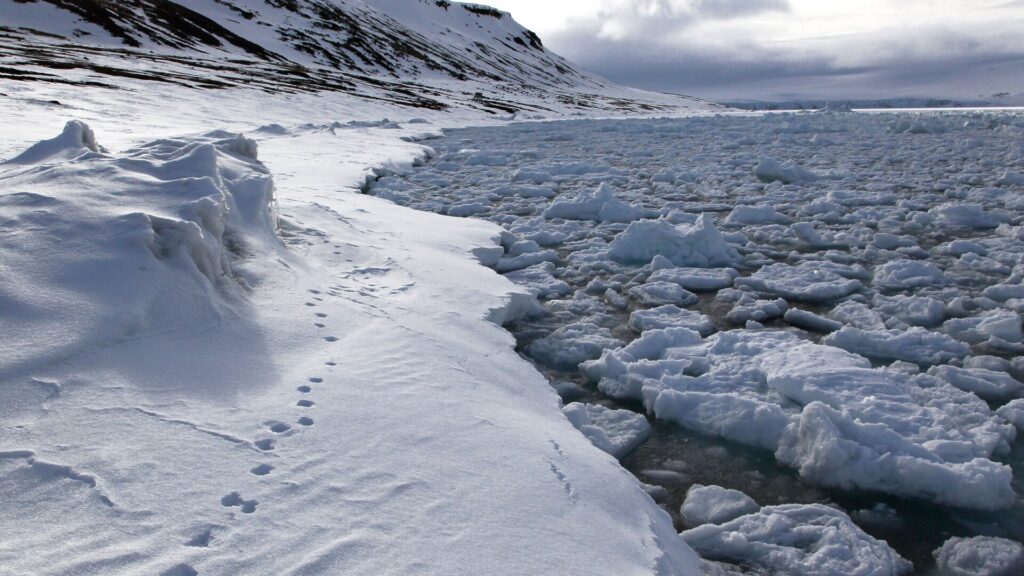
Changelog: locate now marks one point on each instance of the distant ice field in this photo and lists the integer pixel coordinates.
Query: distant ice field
(819, 307)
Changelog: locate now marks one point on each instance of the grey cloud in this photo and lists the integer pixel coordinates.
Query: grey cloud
(739, 8)
(922, 62)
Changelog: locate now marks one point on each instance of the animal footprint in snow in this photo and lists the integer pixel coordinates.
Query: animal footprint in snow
(304, 389)
(261, 469)
(306, 421)
(201, 540)
(331, 338)
(316, 380)
(235, 499)
(279, 427)
(305, 403)
(265, 444)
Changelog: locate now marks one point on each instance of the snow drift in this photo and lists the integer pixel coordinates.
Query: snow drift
(155, 235)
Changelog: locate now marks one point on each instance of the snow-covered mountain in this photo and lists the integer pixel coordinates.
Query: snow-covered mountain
(424, 53)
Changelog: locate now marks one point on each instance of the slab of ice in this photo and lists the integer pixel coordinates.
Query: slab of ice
(748, 309)
(570, 345)
(538, 279)
(700, 245)
(915, 345)
(822, 410)
(999, 324)
(980, 556)
(913, 310)
(466, 209)
(771, 170)
(668, 316)
(510, 263)
(810, 321)
(857, 315)
(659, 292)
(806, 282)
(966, 215)
(754, 215)
(1013, 412)
(715, 505)
(697, 279)
(988, 385)
(600, 205)
(797, 539)
(617, 432)
(906, 274)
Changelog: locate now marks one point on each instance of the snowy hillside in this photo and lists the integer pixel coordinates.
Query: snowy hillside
(422, 53)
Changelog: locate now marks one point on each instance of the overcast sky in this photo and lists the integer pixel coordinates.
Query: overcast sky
(781, 49)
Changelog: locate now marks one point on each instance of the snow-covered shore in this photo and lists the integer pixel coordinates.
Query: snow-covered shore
(187, 392)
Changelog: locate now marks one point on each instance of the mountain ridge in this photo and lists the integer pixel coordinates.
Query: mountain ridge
(421, 53)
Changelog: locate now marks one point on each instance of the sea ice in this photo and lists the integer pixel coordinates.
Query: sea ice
(697, 279)
(980, 556)
(907, 274)
(797, 539)
(915, 345)
(600, 205)
(699, 245)
(617, 432)
(806, 282)
(668, 316)
(660, 292)
(771, 170)
(715, 505)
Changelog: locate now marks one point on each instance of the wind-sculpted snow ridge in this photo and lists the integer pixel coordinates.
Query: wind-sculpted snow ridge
(838, 291)
(128, 238)
(419, 53)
